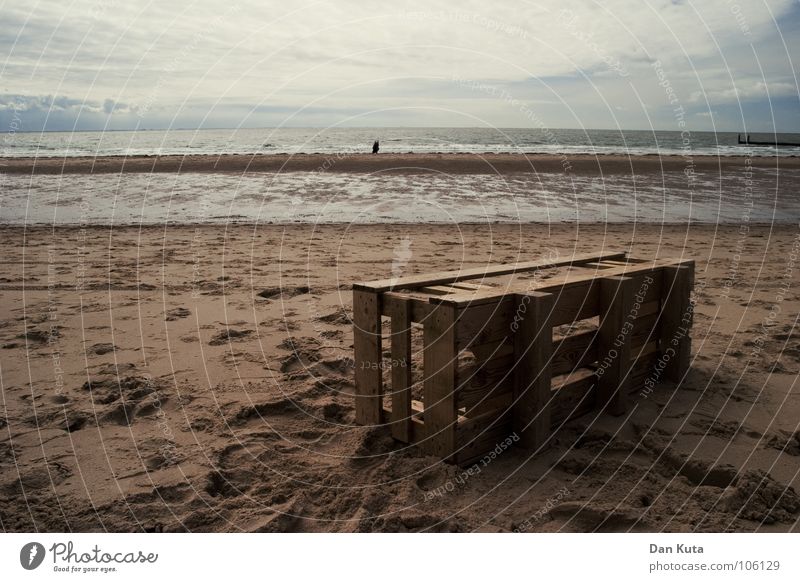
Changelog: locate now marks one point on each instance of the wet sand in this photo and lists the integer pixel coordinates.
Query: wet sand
(489, 163)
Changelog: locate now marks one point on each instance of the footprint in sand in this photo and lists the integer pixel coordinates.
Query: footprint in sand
(228, 335)
(176, 313)
(102, 349)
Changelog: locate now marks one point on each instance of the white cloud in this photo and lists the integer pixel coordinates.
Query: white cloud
(350, 55)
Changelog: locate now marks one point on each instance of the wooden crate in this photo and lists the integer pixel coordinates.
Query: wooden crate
(509, 351)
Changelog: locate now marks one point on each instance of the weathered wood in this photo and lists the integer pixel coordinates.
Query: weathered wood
(401, 370)
(444, 277)
(533, 345)
(440, 361)
(468, 286)
(420, 309)
(492, 350)
(676, 320)
(614, 345)
(650, 308)
(575, 301)
(485, 384)
(367, 356)
(417, 426)
(642, 367)
(485, 323)
(561, 284)
(469, 407)
(573, 395)
(495, 401)
(575, 351)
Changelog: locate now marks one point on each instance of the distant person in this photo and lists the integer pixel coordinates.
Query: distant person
(376, 146)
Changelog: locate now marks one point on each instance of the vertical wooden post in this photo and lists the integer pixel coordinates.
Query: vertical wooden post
(367, 356)
(400, 313)
(676, 320)
(533, 350)
(440, 361)
(614, 343)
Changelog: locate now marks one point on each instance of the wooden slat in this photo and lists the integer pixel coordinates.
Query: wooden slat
(484, 383)
(367, 356)
(575, 351)
(485, 323)
(565, 281)
(575, 301)
(601, 266)
(650, 308)
(645, 329)
(440, 360)
(614, 343)
(573, 395)
(492, 403)
(420, 309)
(492, 350)
(468, 286)
(641, 368)
(401, 370)
(440, 290)
(443, 277)
(533, 345)
(676, 320)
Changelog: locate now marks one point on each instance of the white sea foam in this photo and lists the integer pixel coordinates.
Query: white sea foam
(306, 197)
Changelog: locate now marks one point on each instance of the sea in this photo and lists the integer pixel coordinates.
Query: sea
(758, 194)
(392, 140)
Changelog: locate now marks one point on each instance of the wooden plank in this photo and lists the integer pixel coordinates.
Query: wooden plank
(564, 282)
(575, 351)
(468, 286)
(443, 277)
(676, 320)
(575, 301)
(491, 350)
(367, 356)
(573, 395)
(440, 290)
(495, 321)
(417, 427)
(478, 388)
(492, 369)
(474, 442)
(645, 329)
(650, 308)
(401, 370)
(533, 345)
(492, 403)
(641, 368)
(487, 323)
(614, 346)
(420, 309)
(440, 360)
(600, 266)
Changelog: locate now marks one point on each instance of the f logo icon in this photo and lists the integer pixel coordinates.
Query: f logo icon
(31, 555)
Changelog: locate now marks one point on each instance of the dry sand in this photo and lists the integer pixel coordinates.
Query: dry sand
(198, 378)
(488, 163)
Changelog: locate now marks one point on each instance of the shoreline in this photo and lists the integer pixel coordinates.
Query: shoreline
(451, 163)
(33, 226)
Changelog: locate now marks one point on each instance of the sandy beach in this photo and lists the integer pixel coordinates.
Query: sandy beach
(489, 163)
(198, 378)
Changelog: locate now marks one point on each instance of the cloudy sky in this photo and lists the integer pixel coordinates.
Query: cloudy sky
(638, 64)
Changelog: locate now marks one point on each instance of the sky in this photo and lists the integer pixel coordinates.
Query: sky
(725, 65)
